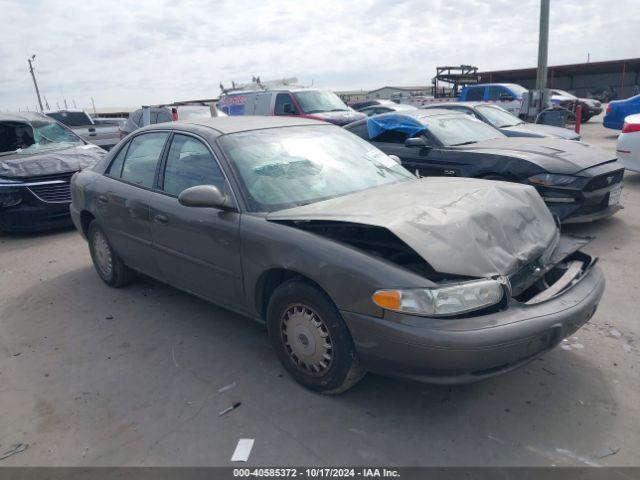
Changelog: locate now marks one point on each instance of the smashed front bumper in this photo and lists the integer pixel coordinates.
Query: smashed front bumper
(470, 349)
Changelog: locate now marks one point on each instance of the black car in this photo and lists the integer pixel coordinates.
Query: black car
(507, 122)
(579, 182)
(38, 156)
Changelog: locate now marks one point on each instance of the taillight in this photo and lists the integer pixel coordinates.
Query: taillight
(630, 127)
(609, 108)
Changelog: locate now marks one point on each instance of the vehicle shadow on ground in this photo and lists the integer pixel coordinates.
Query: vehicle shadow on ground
(173, 351)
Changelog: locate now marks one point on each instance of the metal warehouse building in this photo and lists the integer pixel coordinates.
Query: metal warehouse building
(614, 79)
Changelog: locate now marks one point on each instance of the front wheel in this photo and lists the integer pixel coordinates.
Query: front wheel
(311, 339)
(106, 261)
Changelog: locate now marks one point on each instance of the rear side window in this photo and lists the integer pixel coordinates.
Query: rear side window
(142, 158)
(475, 94)
(190, 163)
(115, 169)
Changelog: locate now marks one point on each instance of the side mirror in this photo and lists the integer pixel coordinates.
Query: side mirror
(288, 108)
(415, 142)
(205, 196)
(396, 159)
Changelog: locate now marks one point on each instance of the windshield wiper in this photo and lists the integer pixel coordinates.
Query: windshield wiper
(2, 154)
(339, 110)
(464, 143)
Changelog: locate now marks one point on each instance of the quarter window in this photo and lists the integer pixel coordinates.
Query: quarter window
(190, 163)
(142, 158)
(115, 169)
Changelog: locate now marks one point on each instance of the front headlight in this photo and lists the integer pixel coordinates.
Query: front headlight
(442, 301)
(551, 179)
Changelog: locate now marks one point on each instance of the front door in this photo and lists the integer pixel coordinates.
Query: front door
(198, 249)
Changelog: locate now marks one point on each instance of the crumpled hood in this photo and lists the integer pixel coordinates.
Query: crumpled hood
(460, 226)
(555, 155)
(549, 130)
(50, 162)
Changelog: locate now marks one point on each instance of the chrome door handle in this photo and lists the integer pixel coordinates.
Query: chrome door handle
(103, 199)
(162, 219)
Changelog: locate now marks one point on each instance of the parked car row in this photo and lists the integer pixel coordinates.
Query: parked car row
(351, 244)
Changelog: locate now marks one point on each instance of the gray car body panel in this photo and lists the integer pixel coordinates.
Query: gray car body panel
(248, 248)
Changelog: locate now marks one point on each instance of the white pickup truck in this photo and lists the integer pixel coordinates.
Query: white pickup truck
(103, 135)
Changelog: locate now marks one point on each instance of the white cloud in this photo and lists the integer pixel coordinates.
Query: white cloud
(125, 53)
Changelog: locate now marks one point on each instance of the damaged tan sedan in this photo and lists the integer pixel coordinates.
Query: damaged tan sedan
(353, 263)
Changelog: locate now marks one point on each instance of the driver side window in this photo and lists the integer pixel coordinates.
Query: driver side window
(284, 105)
(190, 163)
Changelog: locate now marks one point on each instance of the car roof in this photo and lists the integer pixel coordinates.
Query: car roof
(460, 104)
(421, 113)
(23, 117)
(240, 123)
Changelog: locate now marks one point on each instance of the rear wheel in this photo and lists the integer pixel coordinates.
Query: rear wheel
(311, 339)
(106, 261)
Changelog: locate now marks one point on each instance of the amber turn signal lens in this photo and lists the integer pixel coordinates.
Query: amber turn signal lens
(389, 299)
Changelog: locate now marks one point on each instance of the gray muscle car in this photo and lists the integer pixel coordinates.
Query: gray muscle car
(353, 263)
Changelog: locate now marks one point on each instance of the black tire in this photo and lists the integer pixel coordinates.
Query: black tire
(586, 116)
(294, 310)
(117, 274)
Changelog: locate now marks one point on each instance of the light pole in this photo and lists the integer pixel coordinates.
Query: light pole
(543, 46)
(35, 84)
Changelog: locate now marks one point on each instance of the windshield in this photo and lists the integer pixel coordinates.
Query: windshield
(195, 111)
(290, 166)
(564, 93)
(71, 119)
(27, 139)
(518, 90)
(459, 129)
(498, 117)
(316, 101)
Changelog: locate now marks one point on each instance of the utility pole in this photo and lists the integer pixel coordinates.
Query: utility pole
(543, 46)
(35, 84)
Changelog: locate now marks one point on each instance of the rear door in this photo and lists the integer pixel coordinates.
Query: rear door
(198, 249)
(123, 205)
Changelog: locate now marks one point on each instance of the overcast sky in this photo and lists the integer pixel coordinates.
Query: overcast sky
(126, 53)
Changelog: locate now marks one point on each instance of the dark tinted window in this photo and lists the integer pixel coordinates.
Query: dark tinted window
(142, 158)
(495, 92)
(190, 163)
(283, 99)
(360, 130)
(71, 119)
(391, 136)
(474, 94)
